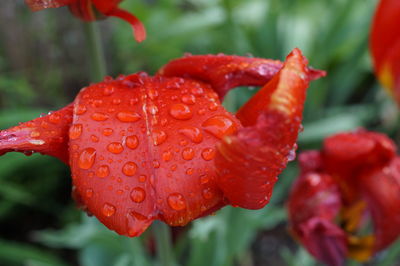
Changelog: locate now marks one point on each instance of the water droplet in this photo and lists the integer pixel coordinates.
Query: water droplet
(89, 193)
(156, 164)
(116, 101)
(188, 154)
(99, 116)
(167, 156)
(193, 133)
(197, 91)
(180, 111)
(213, 106)
(142, 178)
(107, 132)
(87, 158)
(108, 210)
(108, 90)
(97, 103)
(79, 109)
(128, 116)
(35, 134)
(115, 147)
(207, 193)
(159, 137)
(94, 138)
(152, 93)
(54, 118)
(75, 131)
(208, 154)
(190, 171)
(176, 201)
(132, 142)
(219, 126)
(103, 171)
(204, 179)
(129, 169)
(138, 195)
(188, 99)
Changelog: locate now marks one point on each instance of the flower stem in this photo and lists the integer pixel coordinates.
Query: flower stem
(95, 51)
(162, 233)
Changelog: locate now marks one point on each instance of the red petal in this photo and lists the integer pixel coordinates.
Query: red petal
(381, 189)
(138, 27)
(47, 135)
(385, 45)
(249, 161)
(313, 205)
(225, 72)
(37, 5)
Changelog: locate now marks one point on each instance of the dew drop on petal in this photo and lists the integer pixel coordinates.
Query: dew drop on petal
(219, 126)
(55, 118)
(167, 156)
(115, 147)
(108, 90)
(207, 193)
(80, 109)
(107, 132)
(188, 99)
(89, 193)
(87, 158)
(103, 171)
(99, 116)
(204, 179)
(108, 210)
(159, 137)
(142, 178)
(176, 201)
(128, 116)
(180, 111)
(193, 133)
(132, 142)
(188, 154)
(138, 195)
(208, 154)
(129, 169)
(75, 131)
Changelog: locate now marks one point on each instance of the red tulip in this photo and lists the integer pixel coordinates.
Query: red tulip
(90, 10)
(385, 45)
(356, 176)
(142, 148)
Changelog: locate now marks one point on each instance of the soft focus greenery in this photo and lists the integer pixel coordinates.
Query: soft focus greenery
(44, 63)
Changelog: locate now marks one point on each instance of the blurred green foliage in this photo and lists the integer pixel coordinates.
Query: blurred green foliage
(44, 63)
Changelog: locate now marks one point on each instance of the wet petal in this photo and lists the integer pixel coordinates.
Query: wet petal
(249, 162)
(37, 5)
(225, 72)
(47, 135)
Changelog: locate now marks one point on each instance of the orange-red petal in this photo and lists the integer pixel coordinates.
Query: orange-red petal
(137, 25)
(249, 161)
(47, 135)
(385, 45)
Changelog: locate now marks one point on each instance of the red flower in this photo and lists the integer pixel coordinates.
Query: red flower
(355, 176)
(90, 10)
(143, 148)
(385, 45)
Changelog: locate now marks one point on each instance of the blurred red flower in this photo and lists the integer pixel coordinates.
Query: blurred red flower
(90, 10)
(142, 148)
(353, 180)
(385, 45)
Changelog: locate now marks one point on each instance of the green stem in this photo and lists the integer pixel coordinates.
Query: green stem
(162, 233)
(95, 51)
